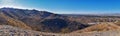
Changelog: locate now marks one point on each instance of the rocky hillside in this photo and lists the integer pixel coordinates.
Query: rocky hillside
(13, 22)
(39, 20)
(45, 21)
(7, 30)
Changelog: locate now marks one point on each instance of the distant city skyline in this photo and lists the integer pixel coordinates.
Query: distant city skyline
(66, 6)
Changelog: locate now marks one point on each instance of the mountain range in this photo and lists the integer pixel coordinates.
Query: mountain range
(38, 20)
(44, 21)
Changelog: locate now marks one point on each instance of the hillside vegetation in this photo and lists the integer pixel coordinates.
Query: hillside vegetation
(14, 22)
(99, 28)
(45, 21)
(40, 20)
(7, 30)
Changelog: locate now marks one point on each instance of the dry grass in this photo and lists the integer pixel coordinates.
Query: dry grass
(14, 22)
(99, 28)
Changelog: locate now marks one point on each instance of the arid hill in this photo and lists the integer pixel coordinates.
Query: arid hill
(6, 20)
(39, 20)
(99, 28)
(45, 21)
(7, 30)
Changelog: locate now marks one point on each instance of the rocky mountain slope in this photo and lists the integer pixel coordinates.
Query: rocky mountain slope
(13, 22)
(51, 23)
(39, 20)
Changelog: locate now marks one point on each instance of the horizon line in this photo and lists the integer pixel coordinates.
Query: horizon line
(63, 12)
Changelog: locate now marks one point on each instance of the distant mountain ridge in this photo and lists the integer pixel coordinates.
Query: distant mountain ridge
(94, 15)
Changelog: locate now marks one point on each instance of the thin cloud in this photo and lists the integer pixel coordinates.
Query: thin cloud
(7, 3)
(10, 3)
(14, 4)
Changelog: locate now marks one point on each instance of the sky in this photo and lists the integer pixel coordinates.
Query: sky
(66, 6)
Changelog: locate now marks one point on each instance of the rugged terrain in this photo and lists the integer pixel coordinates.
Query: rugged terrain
(39, 20)
(46, 23)
(7, 30)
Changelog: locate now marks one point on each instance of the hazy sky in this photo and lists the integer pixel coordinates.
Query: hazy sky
(67, 6)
